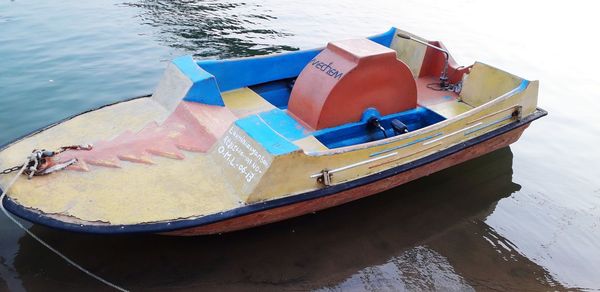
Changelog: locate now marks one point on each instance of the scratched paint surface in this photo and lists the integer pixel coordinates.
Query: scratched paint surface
(242, 156)
(137, 193)
(519, 219)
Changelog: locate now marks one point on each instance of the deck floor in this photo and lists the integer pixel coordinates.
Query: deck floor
(445, 103)
(133, 193)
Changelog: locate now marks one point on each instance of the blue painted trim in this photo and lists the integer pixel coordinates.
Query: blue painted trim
(262, 133)
(237, 73)
(32, 216)
(276, 93)
(384, 39)
(283, 124)
(204, 87)
(522, 86)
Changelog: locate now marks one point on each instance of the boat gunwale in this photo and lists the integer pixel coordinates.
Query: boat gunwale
(180, 224)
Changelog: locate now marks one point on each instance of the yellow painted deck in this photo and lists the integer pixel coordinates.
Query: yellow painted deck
(244, 101)
(450, 109)
(134, 193)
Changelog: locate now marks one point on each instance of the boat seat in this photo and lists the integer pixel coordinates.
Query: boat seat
(450, 109)
(347, 78)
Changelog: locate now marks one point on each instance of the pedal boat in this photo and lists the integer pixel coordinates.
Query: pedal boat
(224, 145)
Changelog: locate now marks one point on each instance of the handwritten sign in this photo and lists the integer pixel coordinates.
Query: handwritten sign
(240, 155)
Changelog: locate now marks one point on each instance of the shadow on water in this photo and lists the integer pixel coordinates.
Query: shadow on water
(428, 234)
(212, 29)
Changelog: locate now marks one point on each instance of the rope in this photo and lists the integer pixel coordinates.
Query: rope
(68, 260)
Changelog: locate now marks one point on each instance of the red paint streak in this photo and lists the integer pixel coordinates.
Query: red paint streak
(185, 129)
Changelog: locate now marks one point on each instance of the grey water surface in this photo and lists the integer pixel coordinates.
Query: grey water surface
(522, 218)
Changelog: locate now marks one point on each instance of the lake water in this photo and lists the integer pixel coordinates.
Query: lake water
(522, 218)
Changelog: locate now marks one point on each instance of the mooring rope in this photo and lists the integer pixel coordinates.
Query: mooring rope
(64, 257)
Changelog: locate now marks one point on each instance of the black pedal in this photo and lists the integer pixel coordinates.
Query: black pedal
(374, 123)
(399, 127)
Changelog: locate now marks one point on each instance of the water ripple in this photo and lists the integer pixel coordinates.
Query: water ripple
(212, 29)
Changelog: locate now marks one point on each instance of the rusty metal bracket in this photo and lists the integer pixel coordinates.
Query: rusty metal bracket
(325, 177)
(518, 113)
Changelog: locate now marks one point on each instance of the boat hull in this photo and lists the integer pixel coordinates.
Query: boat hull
(266, 212)
(314, 205)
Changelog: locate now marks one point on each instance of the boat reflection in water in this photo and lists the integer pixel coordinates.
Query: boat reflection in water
(427, 234)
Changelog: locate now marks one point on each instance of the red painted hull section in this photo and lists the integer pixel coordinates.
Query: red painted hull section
(305, 207)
